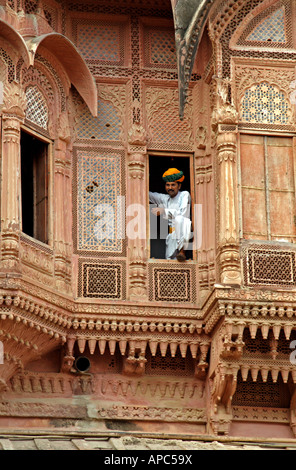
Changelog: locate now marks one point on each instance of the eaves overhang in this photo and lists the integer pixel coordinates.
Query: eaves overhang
(190, 18)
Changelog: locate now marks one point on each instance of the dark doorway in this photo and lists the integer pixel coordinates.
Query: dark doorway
(34, 186)
(157, 166)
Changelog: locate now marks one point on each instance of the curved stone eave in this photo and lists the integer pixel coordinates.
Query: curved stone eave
(15, 39)
(189, 27)
(74, 64)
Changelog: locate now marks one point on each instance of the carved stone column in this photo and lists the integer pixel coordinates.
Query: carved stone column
(62, 206)
(225, 125)
(137, 210)
(13, 115)
(228, 220)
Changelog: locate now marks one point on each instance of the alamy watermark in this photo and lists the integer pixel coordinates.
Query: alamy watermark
(117, 222)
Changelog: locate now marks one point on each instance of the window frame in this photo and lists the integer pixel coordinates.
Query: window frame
(167, 154)
(38, 135)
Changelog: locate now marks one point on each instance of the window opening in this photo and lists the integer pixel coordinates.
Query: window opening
(159, 226)
(34, 186)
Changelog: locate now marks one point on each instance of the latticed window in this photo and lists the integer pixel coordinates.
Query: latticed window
(264, 103)
(162, 47)
(37, 110)
(30, 6)
(99, 214)
(99, 42)
(107, 126)
(271, 29)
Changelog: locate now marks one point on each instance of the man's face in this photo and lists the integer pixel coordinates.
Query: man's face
(172, 188)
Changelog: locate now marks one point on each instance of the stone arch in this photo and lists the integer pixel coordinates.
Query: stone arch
(37, 78)
(11, 36)
(259, 14)
(73, 63)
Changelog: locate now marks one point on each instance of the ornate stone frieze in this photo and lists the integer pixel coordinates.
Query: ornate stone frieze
(153, 414)
(257, 414)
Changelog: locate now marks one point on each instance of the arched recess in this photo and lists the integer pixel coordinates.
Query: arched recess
(267, 13)
(10, 35)
(67, 54)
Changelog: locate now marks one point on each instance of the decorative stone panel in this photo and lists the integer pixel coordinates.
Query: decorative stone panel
(172, 283)
(269, 264)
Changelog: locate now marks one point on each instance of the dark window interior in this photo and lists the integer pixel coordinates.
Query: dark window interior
(34, 186)
(157, 166)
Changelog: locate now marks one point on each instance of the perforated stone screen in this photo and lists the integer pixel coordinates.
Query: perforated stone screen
(265, 264)
(37, 110)
(101, 279)
(98, 187)
(170, 283)
(100, 41)
(265, 103)
(271, 29)
(159, 47)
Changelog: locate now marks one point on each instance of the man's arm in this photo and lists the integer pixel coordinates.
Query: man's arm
(157, 198)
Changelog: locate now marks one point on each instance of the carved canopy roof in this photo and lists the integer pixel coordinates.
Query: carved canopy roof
(190, 17)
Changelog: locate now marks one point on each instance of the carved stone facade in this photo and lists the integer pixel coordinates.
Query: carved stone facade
(97, 97)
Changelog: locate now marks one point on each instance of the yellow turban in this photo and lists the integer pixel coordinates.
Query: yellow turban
(172, 174)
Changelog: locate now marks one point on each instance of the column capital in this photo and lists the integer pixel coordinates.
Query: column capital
(137, 135)
(14, 102)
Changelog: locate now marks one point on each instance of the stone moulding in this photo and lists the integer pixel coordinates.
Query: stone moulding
(190, 415)
(112, 386)
(17, 408)
(257, 414)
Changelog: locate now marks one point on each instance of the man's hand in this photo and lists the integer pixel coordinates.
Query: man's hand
(157, 211)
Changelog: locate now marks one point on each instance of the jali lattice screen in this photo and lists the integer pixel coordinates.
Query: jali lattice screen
(101, 280)
(98, 216)
(265, 264)
(100, 41)
(171, 284)
(37, 110)
(106, 126)
(265, 103)
(159, 48)
(271, 29)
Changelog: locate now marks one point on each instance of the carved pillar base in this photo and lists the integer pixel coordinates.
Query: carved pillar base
(138, 273)
(10, 249)
(230, 269)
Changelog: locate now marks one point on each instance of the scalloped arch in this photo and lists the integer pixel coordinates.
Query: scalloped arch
(15, 39)
(68, 55)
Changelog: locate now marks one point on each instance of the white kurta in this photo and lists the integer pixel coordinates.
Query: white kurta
(177, 212)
